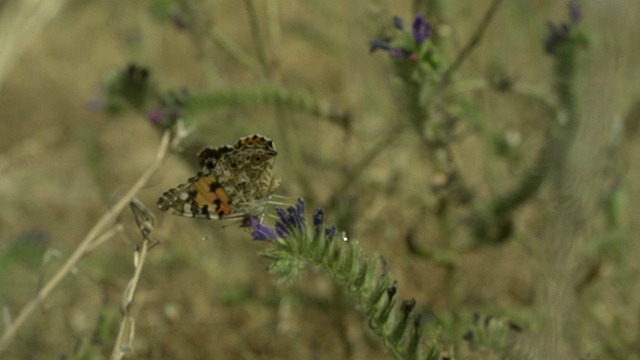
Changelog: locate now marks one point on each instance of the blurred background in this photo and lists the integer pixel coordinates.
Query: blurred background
(204, 292)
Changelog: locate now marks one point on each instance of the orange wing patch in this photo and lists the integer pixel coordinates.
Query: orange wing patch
(211, 197)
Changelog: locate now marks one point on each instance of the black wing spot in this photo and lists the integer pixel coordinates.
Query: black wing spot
(214, 186)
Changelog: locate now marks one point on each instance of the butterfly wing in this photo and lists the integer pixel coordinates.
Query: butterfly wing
(210, 156)
(202, 196)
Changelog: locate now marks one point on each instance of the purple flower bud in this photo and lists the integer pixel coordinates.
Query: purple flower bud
(282, 230)
(300, 208)
(295, 221)
(330, 232)
(561, 33)
(382, 44)
(318, 219)
(284, 217)
(398, 53)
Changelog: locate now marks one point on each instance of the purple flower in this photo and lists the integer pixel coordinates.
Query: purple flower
(291, 221)
(261, 231)
(399, 53)
(421, 29)
(295, 217)
(281, 229)
(162, 117)
(282, 214)
(290, 226)
(382, 44)
(156, 116)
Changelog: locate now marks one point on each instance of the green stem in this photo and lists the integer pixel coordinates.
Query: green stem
(257, 38)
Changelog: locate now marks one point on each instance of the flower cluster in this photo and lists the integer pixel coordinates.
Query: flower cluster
(298, 245)
(291, 222)
(131, 87)
(560, 34)
(413, 46)
(169, 109)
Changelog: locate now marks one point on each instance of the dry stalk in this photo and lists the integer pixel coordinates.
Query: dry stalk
(146, 222)
(127, 325)
(90, 240)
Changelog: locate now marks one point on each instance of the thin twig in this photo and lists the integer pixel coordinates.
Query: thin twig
(104, 237)
(108, 218)
(471, 45)
(127, 299)
(236, 52)
(356, 170)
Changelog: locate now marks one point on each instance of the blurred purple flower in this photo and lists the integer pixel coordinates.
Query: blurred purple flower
(421, 31)
(34, 236)
(156, 116)
(162, 117)
(559, 33)
(383, 44)
(379, 44)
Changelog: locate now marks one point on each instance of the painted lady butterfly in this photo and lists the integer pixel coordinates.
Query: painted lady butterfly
(235, 182)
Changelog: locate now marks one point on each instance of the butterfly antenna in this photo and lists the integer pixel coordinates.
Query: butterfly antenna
(283, 201)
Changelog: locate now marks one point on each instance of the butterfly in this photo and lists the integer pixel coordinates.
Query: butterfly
(235, 182)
